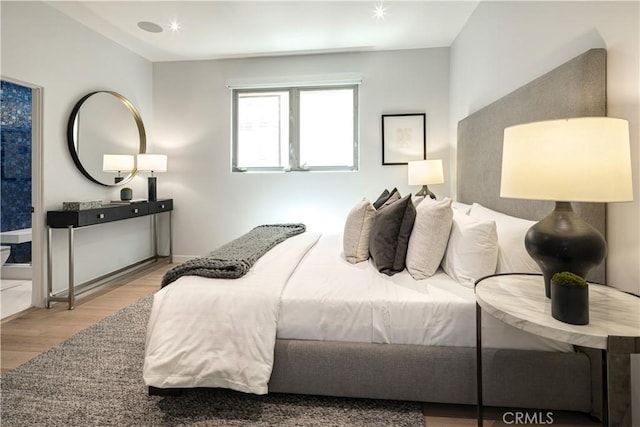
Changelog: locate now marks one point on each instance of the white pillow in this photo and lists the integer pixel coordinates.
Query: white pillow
(462, 207)
(472, 251)
(512, 255)
(429, 237)
(355, 240)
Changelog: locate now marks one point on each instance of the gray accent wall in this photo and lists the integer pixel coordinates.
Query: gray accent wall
(574, 89)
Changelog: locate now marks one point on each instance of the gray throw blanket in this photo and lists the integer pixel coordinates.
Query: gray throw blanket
(234, 259)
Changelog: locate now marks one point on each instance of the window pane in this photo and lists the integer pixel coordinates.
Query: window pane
(263, 129)
(326, 128)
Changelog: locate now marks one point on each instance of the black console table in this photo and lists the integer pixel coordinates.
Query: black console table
(71, 220)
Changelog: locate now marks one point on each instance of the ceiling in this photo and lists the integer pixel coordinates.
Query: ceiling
(235, 29)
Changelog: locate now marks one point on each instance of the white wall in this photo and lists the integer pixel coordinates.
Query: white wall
(507, 44)
(192, 122)
(42, 47)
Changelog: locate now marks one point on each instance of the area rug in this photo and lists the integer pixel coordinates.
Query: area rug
(95, 379)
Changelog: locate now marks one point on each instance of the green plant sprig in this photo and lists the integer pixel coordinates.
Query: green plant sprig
(566, 278)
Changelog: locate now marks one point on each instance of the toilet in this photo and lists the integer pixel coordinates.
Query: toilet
(5, 252)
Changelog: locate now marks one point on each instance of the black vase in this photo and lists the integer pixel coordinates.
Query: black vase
(562, 241)
(570, 304)
(126, 194)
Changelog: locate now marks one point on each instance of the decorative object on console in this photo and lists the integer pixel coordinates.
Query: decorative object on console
(126, 194)
(152, 163)
(81, 206)
(425, 172)
(569, 298)
(584, 159)
(117, 163)
(403, 138)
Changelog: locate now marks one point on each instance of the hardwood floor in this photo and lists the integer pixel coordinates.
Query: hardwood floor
(440, 415)
(36, 330)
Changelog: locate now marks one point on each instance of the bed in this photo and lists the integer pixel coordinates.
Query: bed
(344, 329)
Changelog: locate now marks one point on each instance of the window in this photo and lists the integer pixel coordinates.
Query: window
(297, 129)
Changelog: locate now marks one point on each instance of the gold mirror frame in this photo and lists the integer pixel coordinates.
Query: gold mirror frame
(72, 142)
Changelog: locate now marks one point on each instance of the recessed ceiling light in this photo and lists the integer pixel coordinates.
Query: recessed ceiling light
(174, 26)
(150, 27)
(380, 11)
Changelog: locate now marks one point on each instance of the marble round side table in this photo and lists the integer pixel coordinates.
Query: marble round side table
(614, 328)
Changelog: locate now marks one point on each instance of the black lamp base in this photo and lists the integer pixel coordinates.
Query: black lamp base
(153, 195)
(562, 241)
(424, 191)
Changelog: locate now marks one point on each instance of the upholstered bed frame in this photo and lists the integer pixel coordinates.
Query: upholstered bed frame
(512, 378)
(575, 89)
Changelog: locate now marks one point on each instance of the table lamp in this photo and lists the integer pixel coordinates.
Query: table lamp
(425, 172)
(117, 163)
(152, 163)
(585, 159)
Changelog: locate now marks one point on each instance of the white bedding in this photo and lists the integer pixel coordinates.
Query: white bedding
(221, 333)
(330, 299)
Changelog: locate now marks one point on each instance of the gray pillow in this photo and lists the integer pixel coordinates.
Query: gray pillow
(386, 197)
(381, 199)
(393, 197)
(390, 235)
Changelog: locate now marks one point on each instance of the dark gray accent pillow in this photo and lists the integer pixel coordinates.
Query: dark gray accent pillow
(390, 235)
(381, 199)
(384, 197)
(394, 197)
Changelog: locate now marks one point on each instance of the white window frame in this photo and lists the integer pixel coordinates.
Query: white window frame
(294, 129)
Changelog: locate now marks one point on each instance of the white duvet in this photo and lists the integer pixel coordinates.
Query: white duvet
(330, 299)
(221, 333)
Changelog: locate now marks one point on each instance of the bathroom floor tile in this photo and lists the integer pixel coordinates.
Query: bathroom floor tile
(15, 296)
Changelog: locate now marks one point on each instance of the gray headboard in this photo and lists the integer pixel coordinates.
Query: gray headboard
(574, 89)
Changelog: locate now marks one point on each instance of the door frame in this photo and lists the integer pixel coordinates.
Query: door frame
(37, 180)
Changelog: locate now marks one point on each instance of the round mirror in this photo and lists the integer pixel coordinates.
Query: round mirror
(102, 123)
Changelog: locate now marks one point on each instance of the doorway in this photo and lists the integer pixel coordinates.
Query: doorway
(20, 284)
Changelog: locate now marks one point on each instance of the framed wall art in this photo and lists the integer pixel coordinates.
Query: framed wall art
(403, 138)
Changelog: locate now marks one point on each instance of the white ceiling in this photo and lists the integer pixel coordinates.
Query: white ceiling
(232, 29)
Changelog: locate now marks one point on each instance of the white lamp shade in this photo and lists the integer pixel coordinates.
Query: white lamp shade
(152, 162)
(425, 172)
(117, 162)
(584, 159)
